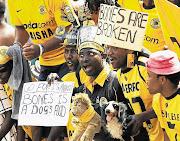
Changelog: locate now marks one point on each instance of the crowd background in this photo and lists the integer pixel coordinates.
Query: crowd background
(44, 33)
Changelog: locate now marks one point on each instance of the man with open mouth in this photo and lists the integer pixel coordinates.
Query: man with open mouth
(101, 81)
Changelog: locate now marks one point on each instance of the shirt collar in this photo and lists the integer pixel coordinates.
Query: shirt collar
(99, 80)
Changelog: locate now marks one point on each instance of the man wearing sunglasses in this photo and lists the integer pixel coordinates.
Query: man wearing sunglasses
(5, 71)
(7, 128)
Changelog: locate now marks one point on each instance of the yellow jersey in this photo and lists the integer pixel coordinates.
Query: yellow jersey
(40, 19)
(133, 83)
(9, 91)
(78, 77)
(153, 39)
(168, 113)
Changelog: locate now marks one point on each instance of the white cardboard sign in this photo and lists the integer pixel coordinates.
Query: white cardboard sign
(42, 105)
(120, 27)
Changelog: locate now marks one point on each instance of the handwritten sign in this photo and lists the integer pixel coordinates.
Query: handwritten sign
(42, 105)
(120, 27)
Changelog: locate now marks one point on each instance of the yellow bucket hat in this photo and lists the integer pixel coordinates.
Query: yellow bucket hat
(4, 58)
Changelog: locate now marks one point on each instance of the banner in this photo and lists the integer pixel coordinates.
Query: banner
(121, 27)
(42, 105)
(168, 14)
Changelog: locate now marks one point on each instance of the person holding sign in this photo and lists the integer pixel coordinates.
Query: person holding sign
(94, 6)
(41, 20)
(7, 128)
(132, 75)
(153, 38)
(163, 68)
(77, 75)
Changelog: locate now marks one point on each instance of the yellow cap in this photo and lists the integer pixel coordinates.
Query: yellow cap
(90, 45)
(4, 58)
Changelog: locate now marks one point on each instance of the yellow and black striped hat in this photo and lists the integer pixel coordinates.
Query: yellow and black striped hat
(86, 38)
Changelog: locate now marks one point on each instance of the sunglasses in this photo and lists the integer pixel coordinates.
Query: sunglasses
(4, 69)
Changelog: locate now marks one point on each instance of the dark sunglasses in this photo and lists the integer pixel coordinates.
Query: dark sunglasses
(5, 67)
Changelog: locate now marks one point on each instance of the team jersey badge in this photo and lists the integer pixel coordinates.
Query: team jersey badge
(155, 23)
(60, 30)
(42, 9)
(67, 13)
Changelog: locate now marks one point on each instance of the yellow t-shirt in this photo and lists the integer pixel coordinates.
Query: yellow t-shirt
(9, 91)
(72, 77)
(153, 39)
(135, 90)
(40, 18)
(168, 113)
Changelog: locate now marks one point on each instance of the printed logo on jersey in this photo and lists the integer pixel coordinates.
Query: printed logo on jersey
(60, 30)
(170, 116)
(151, 40)
(37, 25)
(45, 33)
(155, 23)
(131, 87)
(67, 13)
(42, 9)
(18, 10)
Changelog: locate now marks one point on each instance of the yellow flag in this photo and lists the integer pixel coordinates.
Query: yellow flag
(130, 4)
(170, 22)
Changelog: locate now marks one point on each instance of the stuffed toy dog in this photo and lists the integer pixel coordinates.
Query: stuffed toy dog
(86, 120)
(115, 116)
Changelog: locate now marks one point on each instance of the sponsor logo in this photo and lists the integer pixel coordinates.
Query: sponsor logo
(18, 10)
(42, 34)
(37, 25)
(155, 23)
(60, 30)
(151, 40)
(42, 10)
(131, 87)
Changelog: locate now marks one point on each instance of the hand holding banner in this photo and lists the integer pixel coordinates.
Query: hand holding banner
(121, 27)
(42, 105)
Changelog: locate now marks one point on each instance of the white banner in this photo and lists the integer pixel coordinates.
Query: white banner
(120, 27)
(42, 105)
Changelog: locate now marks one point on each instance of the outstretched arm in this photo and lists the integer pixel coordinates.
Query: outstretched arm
(138, 119)
(31, 51)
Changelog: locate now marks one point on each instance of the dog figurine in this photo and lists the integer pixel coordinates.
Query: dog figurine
(86, 120)
(115, 117)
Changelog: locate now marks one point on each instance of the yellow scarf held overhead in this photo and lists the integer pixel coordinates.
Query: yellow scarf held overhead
(168, 14)
(87, 115)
